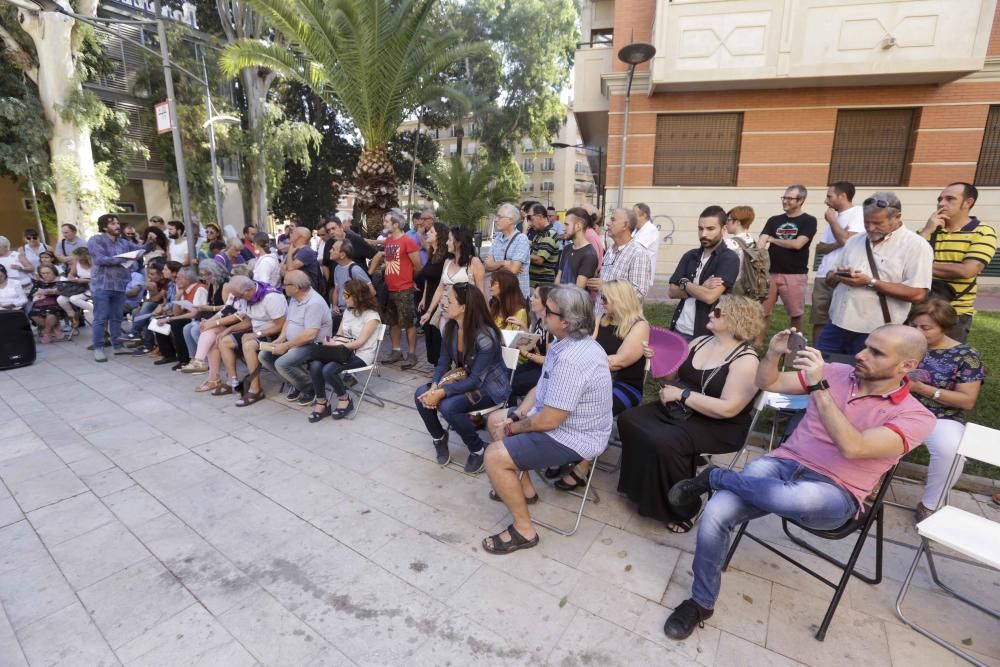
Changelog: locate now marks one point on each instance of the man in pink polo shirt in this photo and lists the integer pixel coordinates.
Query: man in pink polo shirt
(860, 420)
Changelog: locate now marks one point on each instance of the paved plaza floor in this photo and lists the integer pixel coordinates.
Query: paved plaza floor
(144, 524)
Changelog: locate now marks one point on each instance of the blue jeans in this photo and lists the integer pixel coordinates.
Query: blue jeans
(291, 366)
(191, 332)
(768, 485)
(840, 341)
(109, 307)
(455, 411)
(328, 373)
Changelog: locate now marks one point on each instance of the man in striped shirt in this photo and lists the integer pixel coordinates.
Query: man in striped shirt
(963, 247)
(626, 259)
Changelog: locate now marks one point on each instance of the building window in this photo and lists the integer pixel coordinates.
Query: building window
(528, 187)
(528, 166)
(988, 168)
(873, 146)
(548, 186)
(697, 149)
(548, 164)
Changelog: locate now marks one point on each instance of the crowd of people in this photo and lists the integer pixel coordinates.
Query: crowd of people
(888, 368)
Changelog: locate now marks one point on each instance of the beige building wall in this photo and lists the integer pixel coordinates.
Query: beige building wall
(157, 196)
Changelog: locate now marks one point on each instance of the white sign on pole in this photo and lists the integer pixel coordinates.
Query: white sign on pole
(163, 118)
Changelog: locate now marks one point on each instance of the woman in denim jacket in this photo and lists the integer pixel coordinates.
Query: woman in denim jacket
(471, 342)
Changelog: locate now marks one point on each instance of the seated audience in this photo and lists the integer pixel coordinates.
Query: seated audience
(858, 424)
(48, 258)
(74, 292)
(569, 420)
(947, 382)
(213, 275)
(356, 335)
(12, 294)
(267, 266)
(45, 310)
(230, 253)
(472, 343)
(532, 357)
(11, 261)
(307, 321)
(506, 303)
(707, 412)
(212, 234)
(157, 239)
(194, 295)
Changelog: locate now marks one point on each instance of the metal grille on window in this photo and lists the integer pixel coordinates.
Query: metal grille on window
(697, 149)
(872, 146)
(988, 168)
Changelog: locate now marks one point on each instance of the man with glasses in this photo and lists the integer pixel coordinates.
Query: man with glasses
(511, 249)
(881, 274)
(787, 237)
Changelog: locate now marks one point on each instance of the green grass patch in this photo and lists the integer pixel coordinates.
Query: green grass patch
(985, 337)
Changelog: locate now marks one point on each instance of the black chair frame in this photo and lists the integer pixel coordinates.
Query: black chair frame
(872, 515)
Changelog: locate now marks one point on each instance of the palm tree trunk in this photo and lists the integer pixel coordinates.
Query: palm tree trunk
(377, 187)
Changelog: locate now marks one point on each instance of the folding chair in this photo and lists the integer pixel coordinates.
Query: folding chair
(510, 356)
(371, 369)
(584, 497)
(787, 405)
(615, 439)
(971, 535)
(871, 514)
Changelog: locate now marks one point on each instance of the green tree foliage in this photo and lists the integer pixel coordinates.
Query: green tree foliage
(466, 193)
(401, 149)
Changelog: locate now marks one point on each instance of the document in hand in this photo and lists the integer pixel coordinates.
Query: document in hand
(669, 351)
(519, 339)
(133, 254)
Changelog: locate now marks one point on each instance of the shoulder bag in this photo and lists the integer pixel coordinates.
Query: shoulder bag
(882, 301)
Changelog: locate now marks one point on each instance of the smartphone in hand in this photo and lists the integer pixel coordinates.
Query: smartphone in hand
(796, 342)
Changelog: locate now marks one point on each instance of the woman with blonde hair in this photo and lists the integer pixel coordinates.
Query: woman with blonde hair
(706, 412)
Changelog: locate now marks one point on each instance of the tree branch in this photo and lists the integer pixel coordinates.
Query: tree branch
(19, 55)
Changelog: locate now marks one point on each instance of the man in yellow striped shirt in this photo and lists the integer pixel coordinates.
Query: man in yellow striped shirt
(963, 247)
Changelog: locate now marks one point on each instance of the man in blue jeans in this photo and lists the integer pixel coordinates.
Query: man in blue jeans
(109, 278)
(860, 420)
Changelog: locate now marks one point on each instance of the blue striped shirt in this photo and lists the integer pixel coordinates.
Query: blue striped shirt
(108, 272)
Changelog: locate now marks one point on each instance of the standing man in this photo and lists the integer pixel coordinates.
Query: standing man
(787, 238)
(544, 248)
(647, 235)
(578, 262)
(301, 257)
(364, 251)
(178, 250)
(402, 262)
(863, 302)
(844, 220)
(109, 277)
(963, 246)
(625, 259)
(307, 321)
(249, 249)
(511, 249)
(558, 227)
(344, 269)
(70, 241)
(703, 275)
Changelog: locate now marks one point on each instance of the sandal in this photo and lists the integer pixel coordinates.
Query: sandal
(322, 411)
(340, 413)
(209, 385)
(679, 527)
(516, 541)
(577, 482)
(222, 389)
(531, 501)
(554, 472)
(250, 397)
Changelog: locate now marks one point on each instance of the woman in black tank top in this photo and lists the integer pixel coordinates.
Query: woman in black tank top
(706, 412)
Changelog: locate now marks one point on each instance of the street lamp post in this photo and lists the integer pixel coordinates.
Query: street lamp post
(600, 167)
(631, 55)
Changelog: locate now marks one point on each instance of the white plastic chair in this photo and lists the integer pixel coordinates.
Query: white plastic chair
(971, 535)
(371, 369)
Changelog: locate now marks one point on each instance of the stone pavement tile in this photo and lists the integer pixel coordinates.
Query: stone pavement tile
(735, 651)
(117, 434)
(75, 451)
(227, 452)
(261, 472)
(19, 445)
(754, 559)
(359, 526)
(186, 431)
(20, 468)
(203, 505)
(33, 592)
(110, 424)
(192, 637)
(134, 455)
(107, 482)
(635, 563)
(144, 405)
(610, 602)
(69, 518)
(19, 547)
(743, 605)
(175, 474)
(10, 649)
(700, 648)
(330, 657)
(93, 464)
(567, 549)
(133, 601)
(211, 577)
(100, 553)
(303, 495)
(134, 506)
(67, 637)
(45, 375)
(910, 648)
(459, 640)
(433, 567)
(364, 455)
(9, 511)
(47, 489)
(377, 606)
(526, 616)
(593, 640)
(272, 633)
(853, 638)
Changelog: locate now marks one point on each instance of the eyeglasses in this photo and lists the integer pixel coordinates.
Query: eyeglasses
(881, 203)
(549, 311)
(790, 198)
(716, 312)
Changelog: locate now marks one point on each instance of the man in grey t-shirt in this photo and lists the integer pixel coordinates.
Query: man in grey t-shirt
(307, 321)
(344, 269)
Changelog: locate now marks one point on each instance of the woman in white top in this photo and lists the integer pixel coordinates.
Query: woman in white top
(462, 266)
(12, 294)
(357, 336)
(11, 262)
(78, 275)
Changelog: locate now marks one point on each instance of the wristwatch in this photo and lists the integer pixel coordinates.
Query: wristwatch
(684, 397)
(936, 395)
(822, 384)
(871, 283)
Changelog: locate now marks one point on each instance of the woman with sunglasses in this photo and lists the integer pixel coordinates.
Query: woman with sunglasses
(707, 412)
(471, 343)
(32, 248)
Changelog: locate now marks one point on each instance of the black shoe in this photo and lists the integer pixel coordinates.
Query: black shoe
(682, 622)
(293, 394)
(476, 462)
(685, 496)
(441, 449)
(164, 361)
(140, 351)
(179, 365)
(306, 399)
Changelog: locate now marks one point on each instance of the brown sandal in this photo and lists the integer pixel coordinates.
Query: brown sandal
(222, 390)
(249, 398)
(209, 385)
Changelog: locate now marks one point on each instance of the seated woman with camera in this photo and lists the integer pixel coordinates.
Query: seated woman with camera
(472, 343)
(707, 412)
(354, 346)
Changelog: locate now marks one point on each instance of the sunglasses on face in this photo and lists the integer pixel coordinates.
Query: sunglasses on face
(31, 238)
(716, 312)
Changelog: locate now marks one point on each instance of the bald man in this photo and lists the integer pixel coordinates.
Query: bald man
(301, 257)
(860, 420)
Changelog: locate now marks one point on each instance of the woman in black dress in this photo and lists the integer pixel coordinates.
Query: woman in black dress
(427, 281)
(715, 391)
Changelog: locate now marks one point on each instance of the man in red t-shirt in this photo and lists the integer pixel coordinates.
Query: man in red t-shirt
(402, 262)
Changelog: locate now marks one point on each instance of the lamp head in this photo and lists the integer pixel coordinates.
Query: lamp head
(637, 53)
(559, 144)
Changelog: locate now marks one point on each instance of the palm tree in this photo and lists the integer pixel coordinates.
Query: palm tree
(377, 59)
(466, 194)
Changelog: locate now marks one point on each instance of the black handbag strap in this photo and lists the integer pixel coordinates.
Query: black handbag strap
(882, 301)
(968, 288)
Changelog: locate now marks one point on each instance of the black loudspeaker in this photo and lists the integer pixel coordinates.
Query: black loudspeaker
(17, 343)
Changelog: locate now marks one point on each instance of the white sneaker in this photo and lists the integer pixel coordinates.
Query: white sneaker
(99, 355)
